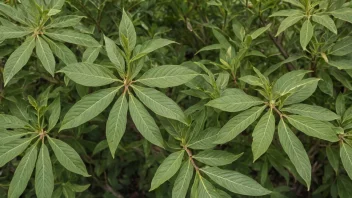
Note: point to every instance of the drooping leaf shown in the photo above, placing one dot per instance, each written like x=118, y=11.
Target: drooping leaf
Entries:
x=44, y=178
x=216, y=157
x=74, y=37
x=313, y=111
x=89, y=107
x=167, y=169
x=45, y=55
x=68, y=157
x=183, y=180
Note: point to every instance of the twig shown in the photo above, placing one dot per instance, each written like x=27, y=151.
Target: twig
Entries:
x=189, y=152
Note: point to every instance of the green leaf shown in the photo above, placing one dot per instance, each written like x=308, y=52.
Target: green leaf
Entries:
x=206, y=189
x=167, y=169
x=235, y=182
x=316, y=112
x=238, y=124
x=306, y=34
x=159, y=103
x=65, y=21
x=288, y=80
x=302, y=91
x=68, y=157
x=88, y=107
x=23, y=172
x=57, y=4
x=288, y=22
x=89, y=74
x=45, y=55
x=259, y=31
x=210, y=47
x=144, y=122
x=9, y=121
x=18, y=59
x=234, y=103
x=116, y=124
x=333, y=157
x=341, y=63
x=263, y=134
x=183, y=180
x=62, y=52
x=344, y=186
x=251, y=80
x=346, y=158
x=340, y=104
x=167, y=76
x=150, y=46
x=295, y=151
x=9, y=136
x=115, y=55
x=91, y=54
x=313, y=127
x=342, y=47
x=216, y=157
x=127, y=33
x=204, y=139
x=74, y=37
x=344, y=14
x=13, y=32
x=11, y=150
x=289, y=12
x=54, y=109
x=13, y=13
x=325, y=21
x=44, y=177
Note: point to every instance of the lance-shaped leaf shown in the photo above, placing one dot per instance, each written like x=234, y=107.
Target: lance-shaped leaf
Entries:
x=235, y=103
x=205, y=189
x=144, y=122
x=18, y=59
x=314, y=128
x=116, y=124
x=306, y=34
x=300, y=85
x=216, y=157
x=183, y=180
x=9, y=121
x=288, y=80
x=263, y=134
x=159, y=103
x=150, y=46
x=344, y=186
x=57, y=5
x=295, y=151
x=316, y=112
x=325, y=21
x=204, y=139
x=62, y=52
x=13, y=149
x=333, y=157
x=167, y=76
x=238, y=124
x=303, y=91
x=45, y=55
x=260, y=31
x=68, y=157
x=9, y=136
x=344, y=14
x=44, y=178
x=127, y=33
x=89, y=74
x=342, y=47
x=288, y=22
x=88, y=107
x=65, y=21
x=115, y=55
x=54, y=109
x=74, y=37
x=91, y=54
x=13, y=32
x=23, y=172
x=235, y=182
x=346, y=158
x=167, y=169
x=13, y=13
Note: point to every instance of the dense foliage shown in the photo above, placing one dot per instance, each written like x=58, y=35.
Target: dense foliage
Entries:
x=175, y=98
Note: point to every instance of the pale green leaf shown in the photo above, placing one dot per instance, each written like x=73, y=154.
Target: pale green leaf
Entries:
x=44, y=177
x=316, y=112
x=216, y=157
x=286, y=13
x=9, y=136
x=211, y=47
x=150, y=46
x=11, y=150
x=288, y=80
x=115, y=55
x=252, y=80
x=13, y=32
x=13, y=13
x=325, y=21
x=167, y=169
x=183, y=180
x=259, y=31
x=45, y=55
x=127, y=32
x=65, y=21
x=306, y=34
x=344, y=14
x=54, y=109
x=288, y=22
x=68, y=157
x=74, y=37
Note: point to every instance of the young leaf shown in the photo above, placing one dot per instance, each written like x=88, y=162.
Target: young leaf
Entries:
x=238, y=124
x=288, y=22
x=235, y=182
x=91, y=54
x=159, y=103
x=231, y=103
x=89, y=74
x=167, y=76
x=144, y=122
x=312, y=111
x=11, y=150
x=65, y=21
x=68, y=157
x=167, y=169
x=313, y=127
x=62, y=52
x=346, y=158
x=325, y=21
x=45, y=55
x=306, y=34
x=88, y=107
x=54, y=109
x=183, y=180
x=295, y=151
x=115, y=55
x=216, y=157
x=259, y=31
x=127, y=32
x=74, y=37
x=263, y=134
x=44, y=178
x=23, y=172
x=116, y=124
x=18, y=59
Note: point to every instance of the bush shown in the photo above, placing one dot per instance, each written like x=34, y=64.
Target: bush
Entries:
x=175, y=98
